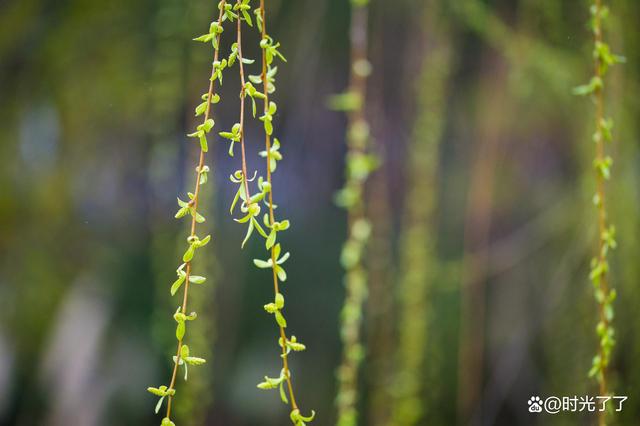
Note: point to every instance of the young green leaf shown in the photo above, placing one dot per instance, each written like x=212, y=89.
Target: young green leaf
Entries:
x=196, y=279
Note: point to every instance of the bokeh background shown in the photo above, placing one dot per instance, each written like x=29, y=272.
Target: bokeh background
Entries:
x=483, y=194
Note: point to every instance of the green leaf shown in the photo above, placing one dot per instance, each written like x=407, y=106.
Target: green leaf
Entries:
x=159, y=404
x=283, y=395
x=271, y=308
x=205, y=38
x=608, y=312
x=176, y=285
x=182, y=212
x=204, y=146
x=282, y=275
x=296, y=346
x=180, y=330
x=271, y=239
x=258, y=227
x=184, y=351
x=607, y=127
x=280, y=319
x=188, y=255
x=203, y=242
x=179, y=316
x=283, y=258
x=594, y=84
x=196, y=279
x=200, y=218
x=293, y=344
x=201, y=109
x=298, y=419
x=248, y=234
x=270, y=383
x=268, y=127
x=194, y=360
x=262, y=264
x=279, y=300
x=247, y=18
x=161, y=391
x=595, y=366
x=167, y=422
x=208, y=125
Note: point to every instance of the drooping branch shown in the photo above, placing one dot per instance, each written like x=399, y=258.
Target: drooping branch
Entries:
x=183, y=356
x=599, y=275
x=359, y=164
x=250, y=204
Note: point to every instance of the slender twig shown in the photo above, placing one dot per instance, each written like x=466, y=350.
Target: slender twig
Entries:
x=600, y=190
x=250, y=205
x=267, y=142
x=359, y=165
x=605, y=330
x=599, y=275
x=242, y=96
x=194, y=202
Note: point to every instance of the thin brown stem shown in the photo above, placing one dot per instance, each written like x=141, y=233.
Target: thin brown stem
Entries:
x=242, y=96
x=601, y=196
x=283, y=335
x=357, y=140
x=194, y=201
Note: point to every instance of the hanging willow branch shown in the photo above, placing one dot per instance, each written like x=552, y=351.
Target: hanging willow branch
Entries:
x=604, y=294
x=250, y=204
x=359, y=164
x=185, y=277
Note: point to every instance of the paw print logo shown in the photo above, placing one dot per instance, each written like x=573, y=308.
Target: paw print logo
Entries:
x=535, y=404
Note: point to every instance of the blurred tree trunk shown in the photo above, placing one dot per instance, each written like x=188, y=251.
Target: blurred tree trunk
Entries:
x=477, y=231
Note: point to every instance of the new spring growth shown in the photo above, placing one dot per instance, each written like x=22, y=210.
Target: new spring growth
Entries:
x=604, y=295
x=276, y=265
x=201, y=133
x=185, y=277
x=162, y=392
x=194, y=244
x=182, y=276
x=189, y=208
x=181, y=319
x=186, y=359
x=273, y=155
x=248, y=206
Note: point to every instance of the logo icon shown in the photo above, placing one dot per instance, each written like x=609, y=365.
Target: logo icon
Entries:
x=535, y=404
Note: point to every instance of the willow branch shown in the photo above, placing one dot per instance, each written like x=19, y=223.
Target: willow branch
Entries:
x=194, y=201
x=267, y=142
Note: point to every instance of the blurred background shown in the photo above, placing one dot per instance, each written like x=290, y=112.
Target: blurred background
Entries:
x=482, y=214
